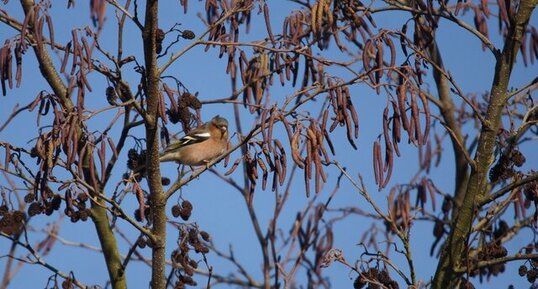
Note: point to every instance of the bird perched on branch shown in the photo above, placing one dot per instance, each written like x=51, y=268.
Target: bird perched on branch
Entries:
x=200, y=146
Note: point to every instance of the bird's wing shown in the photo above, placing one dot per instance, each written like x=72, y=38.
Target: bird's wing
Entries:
x=196, y=136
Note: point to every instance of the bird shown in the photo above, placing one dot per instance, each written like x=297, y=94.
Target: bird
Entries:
x=200, y=146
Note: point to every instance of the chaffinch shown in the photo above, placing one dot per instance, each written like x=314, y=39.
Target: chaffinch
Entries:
x=200, y=146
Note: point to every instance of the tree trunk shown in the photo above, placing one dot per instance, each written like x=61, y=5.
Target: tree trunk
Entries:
x=157, y=196
x=456, y=245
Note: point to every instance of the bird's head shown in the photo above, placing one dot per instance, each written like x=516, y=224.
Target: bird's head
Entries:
x=222, y=124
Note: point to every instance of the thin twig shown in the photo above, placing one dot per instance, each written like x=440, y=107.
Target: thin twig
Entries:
x=38, y=260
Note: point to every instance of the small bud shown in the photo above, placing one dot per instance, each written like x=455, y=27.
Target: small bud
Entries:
x=56, y=202
x=74, y=217
x=111, y=95
x=176, y=211
x=193, y=264
x=30, y=197
x=132, y=154
x=84, y=214
x=67, y=284
x=188, y=34
x=159, y=35
x=82, y=198
x=185, y=214
x=187, y=205
x=34, y=209
x=522, y=270
x=141, y=243
x=205, y=236
x=165, y=181
x=137, y=215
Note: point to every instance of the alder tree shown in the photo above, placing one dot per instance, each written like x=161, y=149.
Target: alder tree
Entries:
x=325, y=99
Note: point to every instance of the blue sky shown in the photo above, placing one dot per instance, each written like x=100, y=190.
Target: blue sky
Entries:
x=218, y=208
